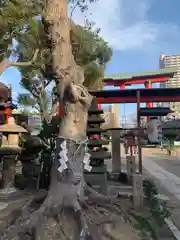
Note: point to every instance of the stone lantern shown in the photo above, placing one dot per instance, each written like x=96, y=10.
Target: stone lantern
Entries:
x=9, y=151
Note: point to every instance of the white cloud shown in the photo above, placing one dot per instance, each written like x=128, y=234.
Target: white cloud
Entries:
x=124, y=23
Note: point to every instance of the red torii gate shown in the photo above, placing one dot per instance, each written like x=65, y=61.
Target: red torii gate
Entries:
x=123, y=80
x=138, y=96
x=129, y=95
x=146, y=78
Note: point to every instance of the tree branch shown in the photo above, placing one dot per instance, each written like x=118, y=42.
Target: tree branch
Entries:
x=73, y=9
x=48, y=82
x=37, y=108
x=6, y=63
x=43, y=86
x=54, y=108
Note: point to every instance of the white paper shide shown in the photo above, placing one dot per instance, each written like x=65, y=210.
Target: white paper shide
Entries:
x=86, y=162
x=63, y=157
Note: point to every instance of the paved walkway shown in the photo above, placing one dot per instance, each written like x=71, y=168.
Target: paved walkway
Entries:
x=166, y=175
x=170, y=181
x=168, y=185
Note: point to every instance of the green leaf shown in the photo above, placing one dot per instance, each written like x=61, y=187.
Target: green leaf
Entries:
x=26, y=100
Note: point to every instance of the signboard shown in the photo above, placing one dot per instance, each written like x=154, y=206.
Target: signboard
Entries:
x=154, y=131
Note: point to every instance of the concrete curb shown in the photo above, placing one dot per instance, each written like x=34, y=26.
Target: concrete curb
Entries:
x=172, y=228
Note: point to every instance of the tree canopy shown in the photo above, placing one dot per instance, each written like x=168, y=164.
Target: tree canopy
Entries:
x=90, y=51
x=24, y=24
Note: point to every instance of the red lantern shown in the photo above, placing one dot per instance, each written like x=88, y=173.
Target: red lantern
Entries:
x=99, y=106
x=95, y=137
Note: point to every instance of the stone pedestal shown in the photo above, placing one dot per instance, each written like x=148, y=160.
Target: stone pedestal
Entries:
x=8, y=173
x=98, y=180
x=137, y=191
x=116, y=151
x=131, y=166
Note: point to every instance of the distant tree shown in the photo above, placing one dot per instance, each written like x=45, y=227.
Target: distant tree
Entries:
x=14, y=14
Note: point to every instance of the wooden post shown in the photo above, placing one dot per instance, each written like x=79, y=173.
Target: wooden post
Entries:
x=131, y=166
x=139, y=128
x=137, y=192
x=137, y=178
x=116, y=155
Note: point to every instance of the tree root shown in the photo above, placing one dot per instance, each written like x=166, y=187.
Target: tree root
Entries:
x=85, y=213
x=97, y=198
x=31, y=227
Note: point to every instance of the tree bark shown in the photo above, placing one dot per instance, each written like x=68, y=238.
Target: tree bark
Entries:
x=65, y=68
x=69, y=76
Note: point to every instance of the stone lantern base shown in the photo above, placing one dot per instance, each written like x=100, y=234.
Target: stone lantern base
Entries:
x=9, y=155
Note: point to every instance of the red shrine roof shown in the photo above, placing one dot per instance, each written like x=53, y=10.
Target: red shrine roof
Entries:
x=140, y=77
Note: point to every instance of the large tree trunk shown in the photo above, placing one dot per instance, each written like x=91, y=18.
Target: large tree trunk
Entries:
x=75, y=99
x=67, y=186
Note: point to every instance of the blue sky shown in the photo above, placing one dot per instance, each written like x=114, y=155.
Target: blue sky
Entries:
x=137, y=30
